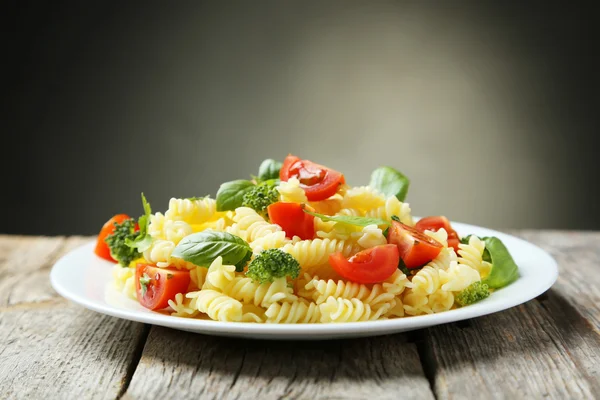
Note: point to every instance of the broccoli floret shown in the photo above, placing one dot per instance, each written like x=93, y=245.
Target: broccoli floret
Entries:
x=475, y=292
x=271, y=264
x=116, y=242
x=261, y=196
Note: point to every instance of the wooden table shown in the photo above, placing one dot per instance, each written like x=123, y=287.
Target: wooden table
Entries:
x=546, y=348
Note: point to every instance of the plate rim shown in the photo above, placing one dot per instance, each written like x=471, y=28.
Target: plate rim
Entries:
x=314, y=331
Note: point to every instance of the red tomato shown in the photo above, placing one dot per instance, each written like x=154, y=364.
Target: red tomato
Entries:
x=416, y=248
x=292, y=219
x=369, y=266
x=108, y=228
x=318, y=182
x=435, y=223
x=161, y=285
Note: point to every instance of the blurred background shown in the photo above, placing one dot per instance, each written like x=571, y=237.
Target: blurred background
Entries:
x=490, y=108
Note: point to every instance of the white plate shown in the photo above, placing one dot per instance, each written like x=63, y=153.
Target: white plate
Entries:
x=84, y=278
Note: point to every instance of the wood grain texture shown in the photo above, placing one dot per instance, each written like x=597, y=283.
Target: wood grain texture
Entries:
x=185, y=365
x=548, y=347
x=65, y=352
x=25, y=263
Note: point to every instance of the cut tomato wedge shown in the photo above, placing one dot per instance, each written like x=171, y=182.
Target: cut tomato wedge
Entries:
x=368, y=266
x=156, y=286
x=318, y=181
x=435, y=223
x=102, y=249
x=292, y=219
x=416, y=249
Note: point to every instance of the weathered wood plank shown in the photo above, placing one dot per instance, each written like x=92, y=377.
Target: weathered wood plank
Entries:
x=185, y=365
x=544, y=348
x=65, y=352
x=578, y=257
x=25, y=263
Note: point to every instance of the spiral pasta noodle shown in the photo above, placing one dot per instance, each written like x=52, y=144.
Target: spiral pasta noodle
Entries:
x=219, y=275
x=192, y=211
x=458, y=277
x=392, y=206
x=370, y=236
x=349, y=310
x=349, y=290
x=183, y=307
x=472, y=255
x=292, y=313
x=244, y=289
x=311, y=253
x=426, y=281
x=216, y=305
x=291, y=191
x=363, y=198
x=252, y=224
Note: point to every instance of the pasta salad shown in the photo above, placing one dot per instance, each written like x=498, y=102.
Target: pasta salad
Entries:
x=297, y=244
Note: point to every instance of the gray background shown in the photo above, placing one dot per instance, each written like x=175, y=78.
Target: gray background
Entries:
x=487, y=107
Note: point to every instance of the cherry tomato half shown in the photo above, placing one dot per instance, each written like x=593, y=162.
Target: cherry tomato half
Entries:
x=368, y=266
x=292, y=219
x=156, y=286
x=435, y=223
x=416, y=248
x=318, y=181
x=108, y=228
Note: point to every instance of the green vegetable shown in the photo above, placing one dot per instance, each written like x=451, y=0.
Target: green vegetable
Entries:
x=271, y=264
x=144, y=281
x=259, y=197
x=231, y=194
x=477, y=291
x=204, y=247
x=504, y=269
x=402, y=267
x=390, y=182
x=269, y=169
x=125, y=231
x=143, y=241
x=347, y=219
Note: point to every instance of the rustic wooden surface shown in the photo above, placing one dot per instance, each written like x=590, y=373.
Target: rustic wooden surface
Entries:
x=546, y=348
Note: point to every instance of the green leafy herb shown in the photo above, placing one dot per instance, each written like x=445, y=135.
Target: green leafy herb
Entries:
x=143, y=241
x=402, y=267
x=475, y=292
x=261, y=196
x=395, y=218
x=269, y=169
x=504, y=269
x=144, y=281
x=348, y=219
x=231, y=194
x=240, y=265
x=125, y=231
x=271, y=264
x=390, y=182
x=204, y=247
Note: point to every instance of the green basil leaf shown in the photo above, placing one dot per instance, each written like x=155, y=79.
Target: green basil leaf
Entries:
x=231, y=194
x=390, y=182
x=269, y=169
x=350, y=220
x=402, y=267
x=143, y=241
x=504, y=268
x=203, y=248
